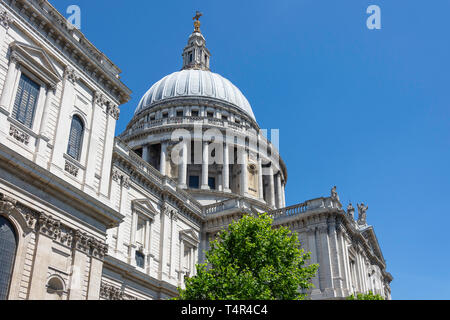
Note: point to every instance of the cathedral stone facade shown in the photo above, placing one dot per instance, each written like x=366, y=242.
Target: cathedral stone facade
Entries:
x=87, y=215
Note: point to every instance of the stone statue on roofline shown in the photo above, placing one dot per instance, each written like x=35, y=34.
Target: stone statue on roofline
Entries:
x=351, y=211
x=334, y=194
x=362, y=214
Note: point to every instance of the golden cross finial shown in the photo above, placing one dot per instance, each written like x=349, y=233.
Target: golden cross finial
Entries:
x=198, y=14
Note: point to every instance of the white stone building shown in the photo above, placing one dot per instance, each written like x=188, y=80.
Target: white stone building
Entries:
x=86, y=215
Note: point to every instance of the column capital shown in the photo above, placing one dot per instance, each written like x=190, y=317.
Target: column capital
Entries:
x=5, y=19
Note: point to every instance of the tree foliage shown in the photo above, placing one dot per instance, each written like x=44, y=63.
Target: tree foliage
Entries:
x=368, y=296
x=252, y=261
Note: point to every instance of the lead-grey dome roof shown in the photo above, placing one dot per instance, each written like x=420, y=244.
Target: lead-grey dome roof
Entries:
x=193, y=84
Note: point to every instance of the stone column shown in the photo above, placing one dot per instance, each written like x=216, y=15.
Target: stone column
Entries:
x=344, y=259
x=44, y=138
x=95, y=279
x=181, y=263
x=173, y=245
x=97, y=113
x=77, y=277
x=48, y=101
x=226, y=168
x=260, y=180
x=325, y=262
x=162, y=165
x=145, y=153
x=205, y=167
x=312, y=248
x=279, y=197
x=182, y=168
x=244, y=173
x=42, y=258
x=335, y=265
x=6, y=97
x=271, y=195
x=63, y=122
x=192, y=266
x=8, y=87
x=283, y=195
x=147, y=237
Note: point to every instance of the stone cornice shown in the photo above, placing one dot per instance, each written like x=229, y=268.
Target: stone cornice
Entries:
x=189, y=101
x=55, y=30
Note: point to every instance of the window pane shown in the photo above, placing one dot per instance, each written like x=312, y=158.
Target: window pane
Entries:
x=212, y=183
x=194, y=182
x=75, y=138
x=26, y=101
x=8, y=246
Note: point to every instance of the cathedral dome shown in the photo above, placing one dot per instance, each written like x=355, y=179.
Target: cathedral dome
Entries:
x=195, y=83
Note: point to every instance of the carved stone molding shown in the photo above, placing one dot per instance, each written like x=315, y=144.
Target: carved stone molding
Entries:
x=311, y=230
x=71, y=168
x=7, y=204
x=121, y=178
x=19, y=135
x=110, y=292
x=5, y=19
x=71, y=75
x=100, y=99
x=113, y=111
x=55, y=229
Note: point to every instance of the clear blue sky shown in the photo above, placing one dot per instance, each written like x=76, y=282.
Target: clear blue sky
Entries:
x=368, y=111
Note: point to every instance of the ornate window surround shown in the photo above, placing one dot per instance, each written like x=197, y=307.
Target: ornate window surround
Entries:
x=46, y=76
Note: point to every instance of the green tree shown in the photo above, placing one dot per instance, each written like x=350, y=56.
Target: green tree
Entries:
x=368, y=296
x=252, y=261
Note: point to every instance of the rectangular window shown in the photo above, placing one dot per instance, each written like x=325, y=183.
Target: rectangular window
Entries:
x=195, y=113
x=179, y=113
x=212, y=183
x=210, y=114
x=165, y=115
x=140, y=232
x=26, y=101
x=140, y=259
x=194, y=182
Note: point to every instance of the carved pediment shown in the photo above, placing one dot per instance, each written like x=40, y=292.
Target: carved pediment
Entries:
x=144, y=207
x=35, y=59
x=190, y=236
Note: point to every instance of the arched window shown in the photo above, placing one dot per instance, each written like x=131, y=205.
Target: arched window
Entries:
x=75, y=138
x=26, y=101
x=8, y=246
x=55, y=288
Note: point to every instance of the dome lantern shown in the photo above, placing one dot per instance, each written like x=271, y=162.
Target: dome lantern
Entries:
x=195, y=55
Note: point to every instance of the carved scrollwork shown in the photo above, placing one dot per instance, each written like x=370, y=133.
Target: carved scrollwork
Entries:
x=19, y=135
x=110, y=292
x=71, y=168
x=71, y=75
x=113, y=111
x=121, y=178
